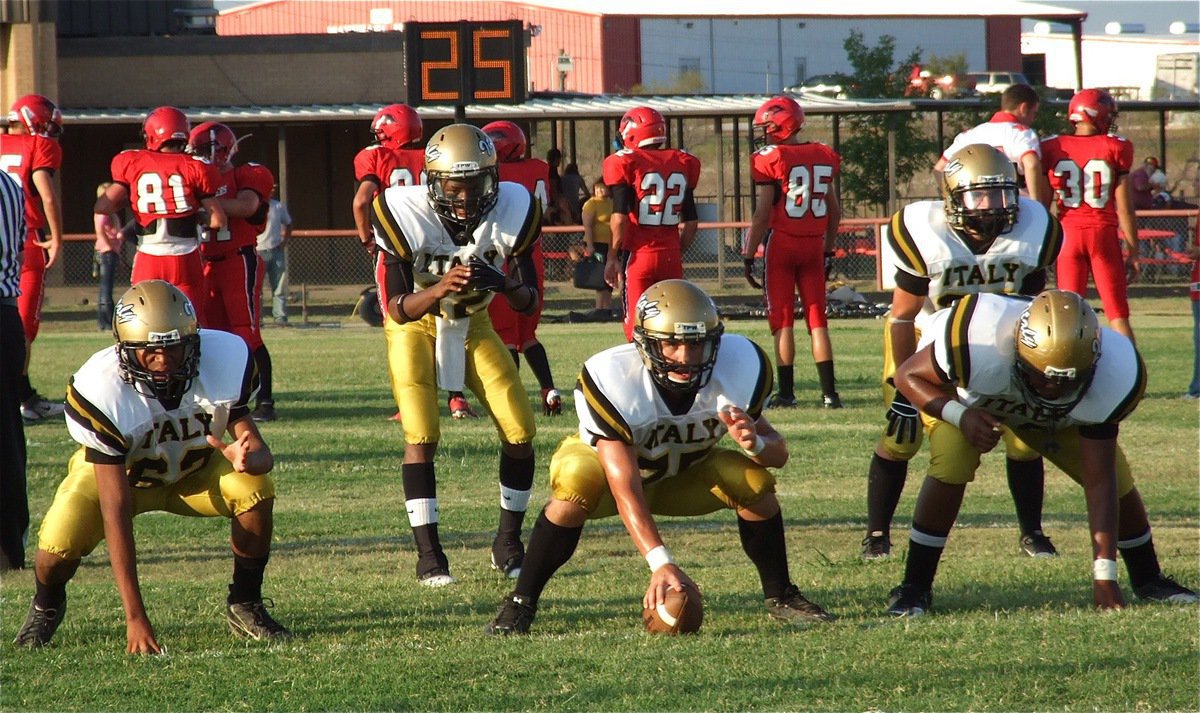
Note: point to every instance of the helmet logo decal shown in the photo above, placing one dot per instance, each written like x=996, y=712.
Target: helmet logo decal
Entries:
x=486, y=147
x=690, y=329
x=124, y=313
x=647, y=308
x=1029, y=337
x=953, y=167
x=432, y=152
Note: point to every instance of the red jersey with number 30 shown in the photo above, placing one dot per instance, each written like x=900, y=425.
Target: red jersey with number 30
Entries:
x=660, y=180
x=1083, y=171
x=804, y=174
x=20, y=156
x=388, y=168
x=164, y=185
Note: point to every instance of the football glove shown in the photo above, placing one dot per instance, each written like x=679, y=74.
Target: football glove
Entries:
x=485, y=276
x=828, y=265
x=749, y=272
x=903, y=420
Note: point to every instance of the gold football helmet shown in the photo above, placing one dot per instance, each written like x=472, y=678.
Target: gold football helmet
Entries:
x=156, y=314
x=676, y=311
x=1058, y=346
x=460, y=167
x=979, y=188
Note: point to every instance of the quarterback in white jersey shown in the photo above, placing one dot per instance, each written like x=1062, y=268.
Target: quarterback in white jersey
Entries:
x=149, y=416
x=445, y=250
x=981, y=238
x=650, y=416
x=1045, y=369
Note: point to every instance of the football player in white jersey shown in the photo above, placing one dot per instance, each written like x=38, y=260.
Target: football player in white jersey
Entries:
x=982, y=237
x=651, y=415
x=994, y=365
x=445, y=250
x=149, y=417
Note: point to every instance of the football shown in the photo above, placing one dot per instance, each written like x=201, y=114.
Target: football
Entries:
x=680, y=613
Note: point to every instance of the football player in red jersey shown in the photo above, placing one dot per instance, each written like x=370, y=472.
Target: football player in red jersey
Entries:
x=654, y=211
x=30, y=153
x=397, y=158
x=233, y=272
x=1089, y=173
x=798, y=203
x=519, y=331
x=166, y=189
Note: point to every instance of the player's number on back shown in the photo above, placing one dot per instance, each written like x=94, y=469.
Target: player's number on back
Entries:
x=661, y=199
x=1091, y=184
x=404, y=177
x=11, y=164
x=159, y=197
x=807, y=190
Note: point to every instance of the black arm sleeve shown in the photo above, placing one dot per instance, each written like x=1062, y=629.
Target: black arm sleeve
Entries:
x=1099, y=431
x=688, y=208
x=91, y=455
x=522, y=266
x=397, y=281
x=1033, y=283
x=911, y=283
x=624, y=200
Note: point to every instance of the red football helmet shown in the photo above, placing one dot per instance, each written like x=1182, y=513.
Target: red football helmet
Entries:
x=38, y=115
x=396, y=126
x=509, y=139
x=164, y=125
x=213, y=141
x=643, y=126
x=777, y=120
x=1095, y=107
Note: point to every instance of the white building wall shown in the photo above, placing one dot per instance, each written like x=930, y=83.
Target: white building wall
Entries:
x=1125, y=62
x=739, y=56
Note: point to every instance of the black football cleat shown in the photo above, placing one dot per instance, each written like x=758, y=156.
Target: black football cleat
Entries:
x=794, y=608
x=515, y=617
x=40, y=625
x=909, y=601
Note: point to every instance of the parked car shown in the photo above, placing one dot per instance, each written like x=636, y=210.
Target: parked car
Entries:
x=839, y=86
x=996, y=82
x=923, y=83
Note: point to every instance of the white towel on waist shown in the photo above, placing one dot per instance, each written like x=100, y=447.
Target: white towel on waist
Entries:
x=451, y=352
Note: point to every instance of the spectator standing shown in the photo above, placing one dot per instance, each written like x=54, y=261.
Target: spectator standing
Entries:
x=272, y=248
x=109, y=243
x=1193, y=391
x=597, y=233
x=574, y=191
x=14, y=500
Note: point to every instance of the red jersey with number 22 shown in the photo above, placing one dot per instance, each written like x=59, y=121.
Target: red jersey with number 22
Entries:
x=1083, y=171
x=660, y=179
x=804, y=174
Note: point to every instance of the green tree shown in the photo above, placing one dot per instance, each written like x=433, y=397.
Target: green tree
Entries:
x=865, y=176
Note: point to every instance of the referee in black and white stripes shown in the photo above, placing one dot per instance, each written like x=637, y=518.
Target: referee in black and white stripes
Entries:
x=14, y=501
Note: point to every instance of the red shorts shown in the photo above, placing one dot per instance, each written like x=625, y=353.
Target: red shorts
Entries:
x=233, y=295
x=518, y=330
x=1096, y=249
x=644, y=267
x=795, y=264
x=33, y=285
x=183, y=271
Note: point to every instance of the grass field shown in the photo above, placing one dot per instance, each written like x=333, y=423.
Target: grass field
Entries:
x=1008, y=633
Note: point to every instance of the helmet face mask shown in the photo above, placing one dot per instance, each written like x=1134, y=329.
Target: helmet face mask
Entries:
x=213, y=141
x=153, y=315
x=980, y=194
x=1057, y=349
x=463, y=181
x=397, y=126
x=39, y=116
x=776, y=121
x=672, y=316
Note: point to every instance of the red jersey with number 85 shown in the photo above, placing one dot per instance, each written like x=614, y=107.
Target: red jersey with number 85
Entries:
x=164, y=185
x=660, y=180
x=804, y=174
x=1083, y=172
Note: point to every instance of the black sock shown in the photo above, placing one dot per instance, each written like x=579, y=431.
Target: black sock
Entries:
x=516, y=357
x=1140, y=558
x=247, y=578
x=766, y=547
x=25, y=388
x=1026, y=482
x=49, y=596
x=825, y=374
x=262, y=358
x=787, y=384
x=885, y=483
x=536, y=356
x=420, y=499
x=516, y=484
x=550, y=547
x=924, y=552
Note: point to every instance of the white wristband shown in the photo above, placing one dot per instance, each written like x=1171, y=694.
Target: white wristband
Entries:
x=952, y=413
x=658, y=557
x=1104, y=570
x=759, y=445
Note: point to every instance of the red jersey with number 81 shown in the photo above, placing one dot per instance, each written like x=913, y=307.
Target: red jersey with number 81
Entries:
x=1083, y=172
x=804, y=174
x=660, y=180
x=164, y=185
